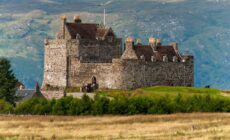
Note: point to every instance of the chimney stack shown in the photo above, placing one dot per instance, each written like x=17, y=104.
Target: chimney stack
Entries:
x=77, y=19
x=152, y=43
x=129, y=52
x=158, y=42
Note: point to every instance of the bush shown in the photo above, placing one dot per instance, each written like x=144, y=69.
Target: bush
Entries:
x=100, y=105
x=120, y=105
x=63, y=106
x=5, y=107
x=34, y=106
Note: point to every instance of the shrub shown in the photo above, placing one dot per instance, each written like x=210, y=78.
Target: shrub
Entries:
x=35, y=106
x=100, y=105
x=63, y=106
x=5, y=107
x=120, y=105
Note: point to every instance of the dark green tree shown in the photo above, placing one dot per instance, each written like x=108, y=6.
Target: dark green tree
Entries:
x=7, y=81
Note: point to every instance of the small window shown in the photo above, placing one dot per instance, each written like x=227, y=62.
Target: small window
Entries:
x=110, y=38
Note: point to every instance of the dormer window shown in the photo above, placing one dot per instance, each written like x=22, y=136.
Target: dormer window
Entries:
x=153, y=59
x=175, y=59
x=142, y=57
x=110, y=38
x=78, y=36
x=165, y=58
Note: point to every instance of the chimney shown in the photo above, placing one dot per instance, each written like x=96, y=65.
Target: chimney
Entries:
x=63, y=22
x=152, y=43
x=129, y=52
x=158, y=42
x=77, y=19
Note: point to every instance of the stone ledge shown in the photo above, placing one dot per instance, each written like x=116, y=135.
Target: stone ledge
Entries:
x=53, y=94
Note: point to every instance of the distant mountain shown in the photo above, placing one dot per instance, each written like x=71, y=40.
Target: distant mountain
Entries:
x=201, y=28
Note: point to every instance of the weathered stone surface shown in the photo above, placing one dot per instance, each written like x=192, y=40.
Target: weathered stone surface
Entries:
x=73, y=63
x=57, y=94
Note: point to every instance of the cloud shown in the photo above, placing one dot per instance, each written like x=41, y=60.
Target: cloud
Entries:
x=49, y=1
x=165, y=1
x=217, y=1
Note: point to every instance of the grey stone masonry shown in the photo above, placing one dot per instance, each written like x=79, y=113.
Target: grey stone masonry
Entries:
x=84, y=50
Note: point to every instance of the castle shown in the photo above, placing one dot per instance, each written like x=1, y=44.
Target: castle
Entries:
x=81, y=51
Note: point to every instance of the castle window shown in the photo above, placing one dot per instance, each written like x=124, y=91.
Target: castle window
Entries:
x=78, y=36
x=110, y=38
x=142, y=57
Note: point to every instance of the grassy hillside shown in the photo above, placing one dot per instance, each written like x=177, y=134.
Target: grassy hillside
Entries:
x=160, y=91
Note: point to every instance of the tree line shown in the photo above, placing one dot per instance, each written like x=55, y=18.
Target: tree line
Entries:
x=118, y=106
x=100, y=105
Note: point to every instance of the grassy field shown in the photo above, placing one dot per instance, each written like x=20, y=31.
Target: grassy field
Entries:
x=159, y=91
x=197, y=126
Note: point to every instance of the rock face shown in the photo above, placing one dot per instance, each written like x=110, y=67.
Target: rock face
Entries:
x=82, y=51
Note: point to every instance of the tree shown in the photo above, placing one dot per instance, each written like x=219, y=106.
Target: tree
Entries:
x=7, y=81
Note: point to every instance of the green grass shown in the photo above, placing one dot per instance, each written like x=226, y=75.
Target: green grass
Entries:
x=72, y=89
x=159, y=91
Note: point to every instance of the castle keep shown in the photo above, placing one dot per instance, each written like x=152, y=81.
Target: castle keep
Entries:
x=81, y=51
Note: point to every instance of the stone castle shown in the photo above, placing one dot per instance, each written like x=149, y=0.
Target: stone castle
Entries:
x=81, y=51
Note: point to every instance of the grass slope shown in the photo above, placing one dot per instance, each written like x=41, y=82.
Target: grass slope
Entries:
x=159, y=91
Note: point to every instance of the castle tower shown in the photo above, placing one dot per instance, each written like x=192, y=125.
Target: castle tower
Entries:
x=129, y=52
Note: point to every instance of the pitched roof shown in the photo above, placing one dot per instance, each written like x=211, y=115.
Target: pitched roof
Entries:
x=101, y=32
x=84, y=30
x=87, y=30
x=25, y=93
x=161, y=51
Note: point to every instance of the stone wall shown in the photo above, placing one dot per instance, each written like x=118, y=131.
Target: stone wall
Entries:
x=131, y=74
x=68, y=63
x=55, y=64
x=99, y=51
x=82, y=73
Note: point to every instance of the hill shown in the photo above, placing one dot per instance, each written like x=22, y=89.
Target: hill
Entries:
x=161, y=91
x=201, y=28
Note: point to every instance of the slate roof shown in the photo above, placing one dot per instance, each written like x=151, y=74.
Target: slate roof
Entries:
x=86, y=30
x=25, y=94
x=161, y=51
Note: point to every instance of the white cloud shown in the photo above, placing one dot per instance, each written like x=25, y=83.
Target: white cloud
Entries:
x=165, y=1
x=49, y=1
